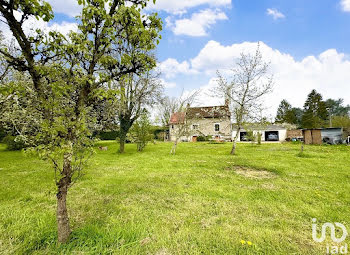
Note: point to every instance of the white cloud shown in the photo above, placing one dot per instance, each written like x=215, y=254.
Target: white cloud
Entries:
x=167, y=84
x=181, y=6
x=198, y=24
x=68, y=7
x=345, y=5
x=171, y=67
x=275, y=13
x=216, y=56
x=32, y=24
x=328, y=72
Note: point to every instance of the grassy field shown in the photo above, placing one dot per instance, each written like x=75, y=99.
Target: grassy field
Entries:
x=201, y=201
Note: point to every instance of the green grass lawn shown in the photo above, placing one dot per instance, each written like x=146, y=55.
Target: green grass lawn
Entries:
x=191, y=203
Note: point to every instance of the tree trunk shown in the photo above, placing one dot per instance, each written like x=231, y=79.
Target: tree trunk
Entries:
x=173, y=149
x=259, y=138
x=63, y=228
x=124, y=129
x=234, y=145
x=233, y=150
x=122, y=143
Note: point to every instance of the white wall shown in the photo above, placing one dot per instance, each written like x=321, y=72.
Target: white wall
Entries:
x=282, y=135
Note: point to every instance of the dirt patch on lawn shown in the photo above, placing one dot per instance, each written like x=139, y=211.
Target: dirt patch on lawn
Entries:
x=252, y=173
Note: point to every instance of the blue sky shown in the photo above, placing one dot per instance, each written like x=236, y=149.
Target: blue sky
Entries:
x=306, y=41
x=309, y=28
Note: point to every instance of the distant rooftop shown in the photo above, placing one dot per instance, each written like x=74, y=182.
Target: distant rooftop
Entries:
x=201, y=112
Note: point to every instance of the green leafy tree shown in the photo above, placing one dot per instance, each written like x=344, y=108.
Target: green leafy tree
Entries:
x=141, y=132
x=288, y=114
x=283, y=110
x=343, y=122
x=69, y=73
x=315, y=111
x=337, y=107
x=18, y=113
x=296, y=116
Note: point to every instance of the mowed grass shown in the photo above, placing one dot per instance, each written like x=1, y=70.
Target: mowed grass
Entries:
x=191, y=203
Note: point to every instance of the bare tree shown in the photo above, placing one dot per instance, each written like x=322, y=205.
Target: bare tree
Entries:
x=167, y=106
x=4, y=65
x=135, y=93
x=249, y=84
x=180, y=120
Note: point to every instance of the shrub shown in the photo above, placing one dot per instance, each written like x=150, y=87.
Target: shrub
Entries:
x=201, y=139
x=111, y=135
x=2, y=133
x=14, y=143
x=141, y=133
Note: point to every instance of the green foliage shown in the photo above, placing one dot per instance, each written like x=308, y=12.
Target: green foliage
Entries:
x=341, y=121
x=202, y=138
x=336, y=107
x=283, y=109
x=259, y=135
x=2, y=133
x=19, y=111
x=111, y=135
x=159, y=132
x=141, y=133
x=315, y=111
x=250, y=136
x=287, y=114
x=70, y=74
x=14, y=143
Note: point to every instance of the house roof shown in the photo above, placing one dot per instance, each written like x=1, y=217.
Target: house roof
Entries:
x=176, y=118
x=330, y=129
x=258, y=127
x=201, y=112
x=209, y=112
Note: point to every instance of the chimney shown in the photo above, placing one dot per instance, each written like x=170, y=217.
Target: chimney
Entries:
x=227, y=97
x=227, y=101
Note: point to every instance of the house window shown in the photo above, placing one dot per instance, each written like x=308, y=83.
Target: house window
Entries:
x=195, y=127
x=217, y=127
x=172, y=126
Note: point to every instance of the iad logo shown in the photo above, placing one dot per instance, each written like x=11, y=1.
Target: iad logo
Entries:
x=331, y=226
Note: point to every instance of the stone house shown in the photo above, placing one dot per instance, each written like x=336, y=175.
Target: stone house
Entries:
x=213, y=122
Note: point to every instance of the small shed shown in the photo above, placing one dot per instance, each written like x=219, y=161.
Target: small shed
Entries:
x=332, y=135
x=312, y=136
x=294, y=135
x=323, y=135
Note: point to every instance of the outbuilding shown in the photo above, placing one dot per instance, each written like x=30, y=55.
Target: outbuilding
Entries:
x=270, y=133
x=323, y=135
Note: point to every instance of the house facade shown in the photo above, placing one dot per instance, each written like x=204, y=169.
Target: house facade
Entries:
x=211, y=122
x=269, y=133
